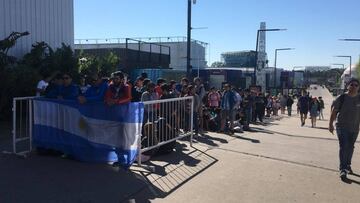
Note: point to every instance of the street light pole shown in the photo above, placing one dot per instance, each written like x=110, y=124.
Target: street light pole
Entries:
x=276, y=50
x=350, y=40
x=341, y=56
x=257, y=47
x=188, y=51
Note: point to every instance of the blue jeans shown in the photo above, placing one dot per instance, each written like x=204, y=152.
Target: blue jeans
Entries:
x=346, y=142
x=248, y=114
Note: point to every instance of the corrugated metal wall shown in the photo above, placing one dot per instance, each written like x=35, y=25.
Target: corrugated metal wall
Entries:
x=51, y=21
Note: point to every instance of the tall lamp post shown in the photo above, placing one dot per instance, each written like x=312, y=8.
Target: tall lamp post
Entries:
x=257, y=47
x=342, y=56
x=188, y=57
x=276, y=51
x=350, y=40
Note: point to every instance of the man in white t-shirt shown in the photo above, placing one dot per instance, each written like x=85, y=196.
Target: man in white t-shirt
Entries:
x=42, y=84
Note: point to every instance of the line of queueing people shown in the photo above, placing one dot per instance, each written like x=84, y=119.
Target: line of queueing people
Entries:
x=228, y=110
x=115, y=91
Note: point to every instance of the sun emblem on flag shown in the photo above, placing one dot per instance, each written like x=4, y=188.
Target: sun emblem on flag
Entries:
x=82, y=123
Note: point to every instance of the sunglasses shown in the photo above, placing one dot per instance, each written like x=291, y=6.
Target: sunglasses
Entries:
x=354, y=85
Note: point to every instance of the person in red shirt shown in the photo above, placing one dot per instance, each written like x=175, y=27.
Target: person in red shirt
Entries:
x=118, y=92
x=158, y=89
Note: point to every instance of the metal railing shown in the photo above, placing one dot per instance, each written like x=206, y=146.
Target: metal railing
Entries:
x=166, y=121
x=22, y=125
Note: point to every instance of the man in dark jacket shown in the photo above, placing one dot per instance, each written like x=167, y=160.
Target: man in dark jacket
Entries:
x=289, y=103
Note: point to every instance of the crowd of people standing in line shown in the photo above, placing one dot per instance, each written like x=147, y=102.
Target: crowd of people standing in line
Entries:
x=223, y=110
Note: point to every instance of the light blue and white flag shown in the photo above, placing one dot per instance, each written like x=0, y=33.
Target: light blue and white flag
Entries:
x=93, y=132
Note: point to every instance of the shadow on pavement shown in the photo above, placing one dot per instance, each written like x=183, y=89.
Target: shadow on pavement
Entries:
x=209, y=140
x=246, y=138
x=291, y=135
x=54, y=179
x=259, y=130
x=350, y=181
x=176, y=169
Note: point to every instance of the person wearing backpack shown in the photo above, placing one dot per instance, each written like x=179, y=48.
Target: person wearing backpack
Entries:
x=346, y=110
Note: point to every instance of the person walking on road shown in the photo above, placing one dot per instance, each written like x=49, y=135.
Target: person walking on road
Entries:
x=283, y=101
x=289, y=104
x=322, y=107
x=346, y=110
x=314, y=110
x=304, y=107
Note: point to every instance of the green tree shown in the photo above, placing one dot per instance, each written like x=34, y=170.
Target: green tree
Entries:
x=357, y=69
x=217, y=64
x=104, y=65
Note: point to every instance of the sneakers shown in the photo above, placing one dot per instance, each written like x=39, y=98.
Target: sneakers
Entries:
x=349, y=170
x=343, y=174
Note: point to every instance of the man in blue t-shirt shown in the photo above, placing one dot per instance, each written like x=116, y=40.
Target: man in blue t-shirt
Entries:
x=96, y=92
x=68, y=90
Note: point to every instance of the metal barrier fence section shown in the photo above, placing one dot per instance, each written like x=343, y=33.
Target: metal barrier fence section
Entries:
x=22, y=125
x=166, y=121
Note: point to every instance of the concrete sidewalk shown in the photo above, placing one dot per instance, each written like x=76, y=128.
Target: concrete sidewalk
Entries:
x=279, y=162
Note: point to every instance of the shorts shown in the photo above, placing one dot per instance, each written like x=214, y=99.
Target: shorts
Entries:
x=302, y=111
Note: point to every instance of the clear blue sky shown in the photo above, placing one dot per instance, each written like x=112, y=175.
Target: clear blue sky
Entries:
x=314, y=26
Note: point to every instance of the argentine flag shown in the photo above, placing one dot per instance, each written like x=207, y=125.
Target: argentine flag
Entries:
x=93, y=132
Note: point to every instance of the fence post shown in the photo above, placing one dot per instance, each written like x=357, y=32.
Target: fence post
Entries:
x=14, y=125
x=192, y=121
x=139, y=149
x=30, y=122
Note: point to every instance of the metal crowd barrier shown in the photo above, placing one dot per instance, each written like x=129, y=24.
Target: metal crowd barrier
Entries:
x=22, y=125
x=166, y=121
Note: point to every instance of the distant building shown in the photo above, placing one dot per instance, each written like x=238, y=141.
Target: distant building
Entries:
x=317, y=68
x=244, y=59
x=51, y=21
x=175, y=47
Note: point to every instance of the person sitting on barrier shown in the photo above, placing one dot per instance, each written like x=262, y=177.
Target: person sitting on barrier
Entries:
x=165, y=109
x=136, y=89
x=173, y=90
x=150, y=95
x=144, y=87
x=183, y=83
x=158, y=89
x=118, y=92
x=96, y=92
x=53, y=89
x=68, y=90
x=42, y=84
x=196, y=106
x=83, y=85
